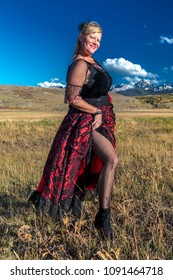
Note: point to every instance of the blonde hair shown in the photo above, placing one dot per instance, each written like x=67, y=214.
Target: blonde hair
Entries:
x=86, y=28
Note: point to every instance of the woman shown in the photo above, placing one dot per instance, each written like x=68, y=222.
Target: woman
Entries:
x=83, y=154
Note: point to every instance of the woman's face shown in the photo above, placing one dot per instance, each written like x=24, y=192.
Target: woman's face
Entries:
x=90, y=43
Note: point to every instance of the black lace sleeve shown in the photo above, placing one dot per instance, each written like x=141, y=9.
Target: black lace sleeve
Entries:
x=76, y=77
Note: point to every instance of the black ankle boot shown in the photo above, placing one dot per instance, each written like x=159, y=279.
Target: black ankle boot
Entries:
x=102, y=223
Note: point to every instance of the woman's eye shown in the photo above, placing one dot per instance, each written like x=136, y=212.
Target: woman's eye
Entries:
x=92, y=37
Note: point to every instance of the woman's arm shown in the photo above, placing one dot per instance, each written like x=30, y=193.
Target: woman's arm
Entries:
x=75, y=80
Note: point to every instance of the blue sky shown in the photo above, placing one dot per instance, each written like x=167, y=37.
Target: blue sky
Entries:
x=37, y=39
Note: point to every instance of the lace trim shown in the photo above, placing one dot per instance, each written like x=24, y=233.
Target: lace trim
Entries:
x=74, y=99
x=70, y=85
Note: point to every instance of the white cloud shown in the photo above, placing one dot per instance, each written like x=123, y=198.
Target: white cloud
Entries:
x=165, y=70
x=51, y=84
x=54, y=79
x=164, y=39
x=124, y=67
x=131, y=72
x=132, y=80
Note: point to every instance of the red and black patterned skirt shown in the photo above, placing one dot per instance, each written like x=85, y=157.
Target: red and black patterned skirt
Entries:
x=71, y=167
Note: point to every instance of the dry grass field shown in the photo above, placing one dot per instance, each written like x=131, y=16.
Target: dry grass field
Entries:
x=142, y=197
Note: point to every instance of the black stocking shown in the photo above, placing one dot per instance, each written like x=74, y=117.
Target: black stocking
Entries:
x=104, y=149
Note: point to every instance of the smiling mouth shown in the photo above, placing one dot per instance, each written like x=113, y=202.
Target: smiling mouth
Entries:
x=93, y=47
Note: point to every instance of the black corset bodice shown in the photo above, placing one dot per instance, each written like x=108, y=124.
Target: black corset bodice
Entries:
x=98, y=83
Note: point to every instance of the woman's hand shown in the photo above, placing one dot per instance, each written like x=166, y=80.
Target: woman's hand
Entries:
x=97, y=121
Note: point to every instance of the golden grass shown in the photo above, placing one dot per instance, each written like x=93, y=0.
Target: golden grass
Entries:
x=141, y=203
x=158, y=100
x=142, y=197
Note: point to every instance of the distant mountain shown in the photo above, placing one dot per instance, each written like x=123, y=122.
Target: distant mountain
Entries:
x=144, y=84
x=143, y=87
